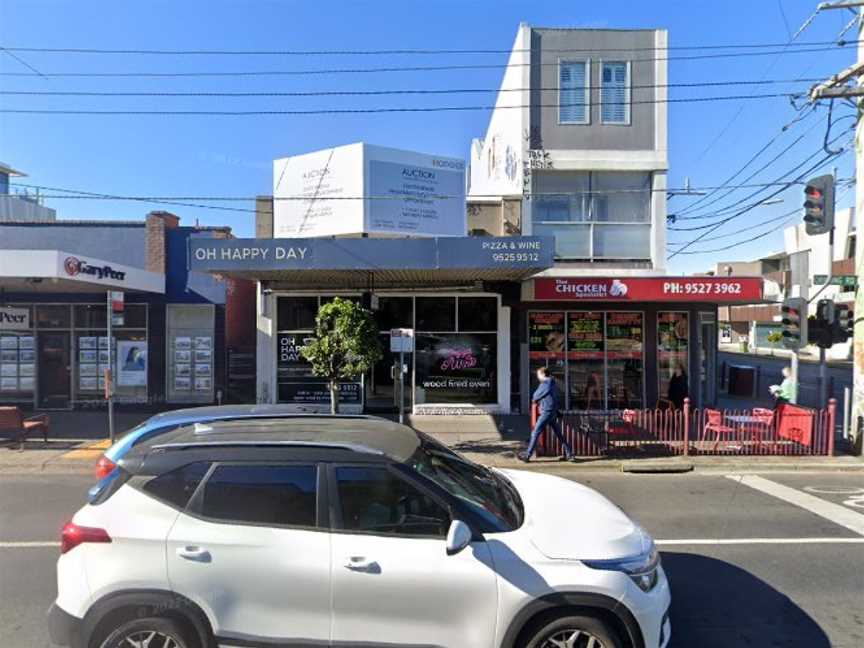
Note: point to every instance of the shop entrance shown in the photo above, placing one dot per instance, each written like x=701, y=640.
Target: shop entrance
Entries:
x=54, y=370
x=708, y=359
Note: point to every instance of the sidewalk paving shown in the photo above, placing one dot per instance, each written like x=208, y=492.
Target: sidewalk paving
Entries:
x=488, y=440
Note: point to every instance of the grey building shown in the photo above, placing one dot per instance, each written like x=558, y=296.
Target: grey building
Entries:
x=23, y=205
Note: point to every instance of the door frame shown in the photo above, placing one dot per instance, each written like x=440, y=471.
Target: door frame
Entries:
x=70, y=368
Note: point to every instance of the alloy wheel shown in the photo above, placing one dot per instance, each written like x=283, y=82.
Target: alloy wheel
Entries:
x=148, y=639
x=572, y=638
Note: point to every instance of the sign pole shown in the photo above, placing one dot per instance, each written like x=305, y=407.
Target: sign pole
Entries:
x=109, y=378
x=402, y=386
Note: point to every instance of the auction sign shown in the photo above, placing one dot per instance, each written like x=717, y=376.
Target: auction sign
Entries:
x=364, y=189
x=630, y=289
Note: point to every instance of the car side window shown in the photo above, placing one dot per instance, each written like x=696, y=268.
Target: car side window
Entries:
x=374, y=500
x=177, y=486
x=279, y=495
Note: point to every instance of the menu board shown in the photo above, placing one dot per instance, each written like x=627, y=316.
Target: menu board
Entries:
x=624, y=335
x=545, y=335
x=585, y=336
x=193, y=363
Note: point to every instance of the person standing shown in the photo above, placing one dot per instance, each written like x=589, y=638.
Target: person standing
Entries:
x=786, y=391
x=548, y=401
x=678, y=389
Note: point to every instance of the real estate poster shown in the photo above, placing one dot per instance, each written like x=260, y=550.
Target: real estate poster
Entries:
x=132, y=363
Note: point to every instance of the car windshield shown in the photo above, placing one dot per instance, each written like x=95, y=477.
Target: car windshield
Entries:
x=487, y=493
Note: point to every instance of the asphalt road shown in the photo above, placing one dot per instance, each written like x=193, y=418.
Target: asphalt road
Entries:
x=775, y=560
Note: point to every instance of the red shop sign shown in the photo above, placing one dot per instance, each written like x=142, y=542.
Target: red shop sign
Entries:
x=627, y=289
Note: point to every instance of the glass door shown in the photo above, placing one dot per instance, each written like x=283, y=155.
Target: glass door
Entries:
x=54, y=370
x=707, y=359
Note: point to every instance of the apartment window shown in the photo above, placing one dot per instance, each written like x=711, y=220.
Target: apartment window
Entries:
x=615, y=93
x=594, y=215
x=573, y=106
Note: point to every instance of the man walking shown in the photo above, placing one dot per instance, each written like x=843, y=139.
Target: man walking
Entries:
x=548, y=400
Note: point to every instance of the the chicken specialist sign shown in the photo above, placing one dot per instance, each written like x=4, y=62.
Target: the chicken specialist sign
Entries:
x=627, y=289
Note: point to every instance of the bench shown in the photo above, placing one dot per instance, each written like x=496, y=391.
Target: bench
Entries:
x=12, y=419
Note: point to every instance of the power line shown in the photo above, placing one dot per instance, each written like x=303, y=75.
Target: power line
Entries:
x=374, y=93
x=746, y=229
x=112, y=196
x=736, y=244
x=420, y=68
x=743, y=211
x=354, y=111
x=407, y=51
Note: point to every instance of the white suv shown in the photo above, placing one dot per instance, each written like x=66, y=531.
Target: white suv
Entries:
x=348, y=531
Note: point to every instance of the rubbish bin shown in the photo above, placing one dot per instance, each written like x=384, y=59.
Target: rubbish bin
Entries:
x=742, y=380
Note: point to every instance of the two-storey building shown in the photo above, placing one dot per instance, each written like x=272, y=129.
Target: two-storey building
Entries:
x=576, y=149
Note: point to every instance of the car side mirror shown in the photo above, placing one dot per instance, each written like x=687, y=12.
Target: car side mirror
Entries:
x=458, y=537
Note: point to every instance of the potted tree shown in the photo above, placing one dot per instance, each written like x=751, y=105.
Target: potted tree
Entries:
x=345, y=345
x=774, y=338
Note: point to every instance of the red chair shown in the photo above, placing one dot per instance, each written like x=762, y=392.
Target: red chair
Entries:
x=626, y=427
x=763, y=422
x=714, y=424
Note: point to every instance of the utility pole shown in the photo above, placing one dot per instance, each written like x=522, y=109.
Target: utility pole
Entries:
x=836, y=87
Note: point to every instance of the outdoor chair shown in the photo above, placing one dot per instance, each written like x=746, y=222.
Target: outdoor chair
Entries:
x=13, y=420
x=714, y=425
x=624, y=428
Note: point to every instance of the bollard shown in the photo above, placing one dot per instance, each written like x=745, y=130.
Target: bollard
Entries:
x=832, y=410
x=686, y=422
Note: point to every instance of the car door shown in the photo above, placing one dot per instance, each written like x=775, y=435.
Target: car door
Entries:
x=249, y=550
x=393, y=582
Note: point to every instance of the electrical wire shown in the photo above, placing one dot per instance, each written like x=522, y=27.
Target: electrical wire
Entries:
x=422, y=68
x=737, y=243
x=373, y=93
x=407, y=51
x=746, y=229
x=356, y=111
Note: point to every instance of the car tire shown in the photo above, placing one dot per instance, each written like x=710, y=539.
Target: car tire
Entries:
x=138, y=630
x=559, y=632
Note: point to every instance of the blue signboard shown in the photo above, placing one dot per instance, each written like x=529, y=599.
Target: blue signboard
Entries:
x=450, y=253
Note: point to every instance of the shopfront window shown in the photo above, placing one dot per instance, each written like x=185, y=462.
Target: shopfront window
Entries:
x=191, y=352
x=673, y=340
x=546, y=345
x=586, y=352
x=17, y=366
x=53, y=316
x=296, y=383
x=436, y=314
x=597, y=357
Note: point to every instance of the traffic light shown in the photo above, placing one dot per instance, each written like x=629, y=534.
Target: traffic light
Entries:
x=794, y=311
x=819, y=205
x=824, y=325
x=843, y=323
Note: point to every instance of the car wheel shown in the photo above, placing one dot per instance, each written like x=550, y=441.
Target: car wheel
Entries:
x=150, y=632
x=574, y=632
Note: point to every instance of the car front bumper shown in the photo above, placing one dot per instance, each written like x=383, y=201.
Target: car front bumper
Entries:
x=63, y=628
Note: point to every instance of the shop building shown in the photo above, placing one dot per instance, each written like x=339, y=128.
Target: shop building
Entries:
x=168, y=344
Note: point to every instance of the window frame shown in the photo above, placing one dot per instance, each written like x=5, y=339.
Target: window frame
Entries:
x=586, y=91
x=194, y=507
x=337, y=524
x=628, y=111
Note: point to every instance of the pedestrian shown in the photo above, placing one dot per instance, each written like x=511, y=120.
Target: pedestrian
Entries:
x=786, y=391
x=678, y=389
x=548, y=401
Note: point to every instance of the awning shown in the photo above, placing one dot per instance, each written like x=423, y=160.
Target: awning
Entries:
x=719, y=290
x=60, y=271
x=365, y=262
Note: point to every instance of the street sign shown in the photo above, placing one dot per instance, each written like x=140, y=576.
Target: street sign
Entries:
x=402, y=340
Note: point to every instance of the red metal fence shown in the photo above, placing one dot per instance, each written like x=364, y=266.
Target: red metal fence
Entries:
x=788, y=430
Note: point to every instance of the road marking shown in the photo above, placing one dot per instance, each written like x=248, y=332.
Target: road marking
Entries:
x=749, y=541
x=28, y=544
x=828, y=510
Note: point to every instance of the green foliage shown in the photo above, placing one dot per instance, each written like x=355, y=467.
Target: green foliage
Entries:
x=346, y=342
x=774, y=337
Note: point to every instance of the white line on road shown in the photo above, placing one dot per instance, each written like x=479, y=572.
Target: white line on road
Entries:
x=28, y=544
x=828, y=510
x=752, y=541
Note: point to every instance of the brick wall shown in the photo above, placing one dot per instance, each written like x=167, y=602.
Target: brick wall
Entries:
x=155, y=244
x=264, y=217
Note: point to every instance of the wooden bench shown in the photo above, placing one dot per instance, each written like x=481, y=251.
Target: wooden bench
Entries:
x=12, y=420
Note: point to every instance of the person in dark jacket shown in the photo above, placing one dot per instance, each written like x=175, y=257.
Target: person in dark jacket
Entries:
x=549, y=402
x=678, y=389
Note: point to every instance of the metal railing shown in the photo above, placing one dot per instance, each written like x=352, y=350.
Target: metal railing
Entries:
x=788, y=430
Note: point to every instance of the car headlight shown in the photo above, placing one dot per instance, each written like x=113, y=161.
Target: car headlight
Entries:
x=641, y=569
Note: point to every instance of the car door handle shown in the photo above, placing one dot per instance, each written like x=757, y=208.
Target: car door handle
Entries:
x=362, y=564
x=194, y=553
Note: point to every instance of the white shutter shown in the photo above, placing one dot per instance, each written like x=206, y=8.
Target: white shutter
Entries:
x=572, y=92
x=615, y=88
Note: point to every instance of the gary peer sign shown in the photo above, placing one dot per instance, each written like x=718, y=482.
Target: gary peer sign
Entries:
x=14, y=319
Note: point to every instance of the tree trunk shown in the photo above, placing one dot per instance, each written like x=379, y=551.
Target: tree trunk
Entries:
x=334, y=397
